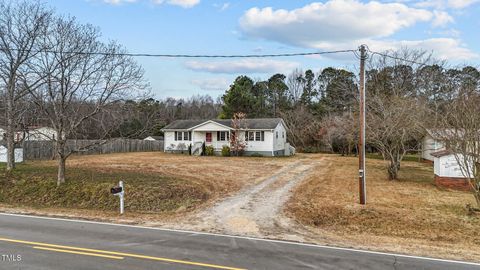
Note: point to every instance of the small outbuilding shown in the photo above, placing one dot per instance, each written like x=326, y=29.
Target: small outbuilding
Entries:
x=18, y=154
x=448, y=171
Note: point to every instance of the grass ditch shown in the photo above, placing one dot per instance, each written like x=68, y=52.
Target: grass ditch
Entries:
x=33, y=184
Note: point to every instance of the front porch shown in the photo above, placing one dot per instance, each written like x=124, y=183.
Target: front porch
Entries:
x=216, y=139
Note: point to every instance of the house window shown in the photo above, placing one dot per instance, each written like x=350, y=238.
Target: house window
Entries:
x=283, y=134
x=222, y=135
x=255, y=135
x=276, y=135
x=183, y=136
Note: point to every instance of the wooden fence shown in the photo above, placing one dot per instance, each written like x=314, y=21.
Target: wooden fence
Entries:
x=46, y=149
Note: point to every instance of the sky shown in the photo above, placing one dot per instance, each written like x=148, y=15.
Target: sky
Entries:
x=447, y=28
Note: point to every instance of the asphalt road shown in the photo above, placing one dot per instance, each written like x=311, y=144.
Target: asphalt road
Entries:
x=50, y=244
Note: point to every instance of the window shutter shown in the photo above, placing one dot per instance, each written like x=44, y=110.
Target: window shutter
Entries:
x=246, y=136
x=263, y=136
x=176, y=137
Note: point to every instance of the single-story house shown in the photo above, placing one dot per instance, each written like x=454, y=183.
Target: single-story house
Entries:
x=265, y=136
x=448, y=170
x=154, y=138
x=18, y=153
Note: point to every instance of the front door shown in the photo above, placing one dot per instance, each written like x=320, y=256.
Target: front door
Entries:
x=208, y=137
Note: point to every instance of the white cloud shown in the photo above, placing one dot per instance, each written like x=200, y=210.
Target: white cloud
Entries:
x=442, y=48
x=459, y=4
x=181, y=3
x=444, y=4
x=334, y=20
x=212, y=84
x=441, y=18
x=118, y=2
x=222, y=7
x=242, y=66
x=341, y=24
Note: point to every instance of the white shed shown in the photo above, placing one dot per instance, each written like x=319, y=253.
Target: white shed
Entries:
x=18, y=154
x=448, y=170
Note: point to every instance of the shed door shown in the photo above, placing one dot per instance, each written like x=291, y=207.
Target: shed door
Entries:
x=208, y=137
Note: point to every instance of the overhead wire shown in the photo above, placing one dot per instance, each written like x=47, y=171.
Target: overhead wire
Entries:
x=355, y=52
x=191, y=55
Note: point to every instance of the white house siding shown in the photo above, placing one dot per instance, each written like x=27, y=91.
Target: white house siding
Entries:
x=171, y=144
x=448, y=167
x=18, y=154
x=268, y=147
x=264, y=147
x=210, y=126
x=429, y=146
x=279, y=143
x=41, y=134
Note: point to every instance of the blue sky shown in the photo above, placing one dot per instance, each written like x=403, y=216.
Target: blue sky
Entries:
x=449, y=28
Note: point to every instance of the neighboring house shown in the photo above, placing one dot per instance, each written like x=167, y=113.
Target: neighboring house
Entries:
x=431, y=143
x=40, y=134
x=18, y=153
x=266, y=136
x=154, y=138
x=448, y=172
x=32, y=134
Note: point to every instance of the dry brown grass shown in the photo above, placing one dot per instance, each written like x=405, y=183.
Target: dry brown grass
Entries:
x=410, y=215
x=156, y=183
x=219, y=174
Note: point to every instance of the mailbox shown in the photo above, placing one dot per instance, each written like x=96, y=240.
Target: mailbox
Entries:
x=116, y=190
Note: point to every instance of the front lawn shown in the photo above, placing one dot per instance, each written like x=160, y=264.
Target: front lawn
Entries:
x=410, y=215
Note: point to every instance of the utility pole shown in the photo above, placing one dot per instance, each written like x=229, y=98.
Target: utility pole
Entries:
x=361, y=143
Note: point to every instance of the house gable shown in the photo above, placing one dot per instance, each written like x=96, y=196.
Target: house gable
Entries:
x=210, y=126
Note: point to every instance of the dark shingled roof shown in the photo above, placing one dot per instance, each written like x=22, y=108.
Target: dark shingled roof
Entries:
x=258, y=123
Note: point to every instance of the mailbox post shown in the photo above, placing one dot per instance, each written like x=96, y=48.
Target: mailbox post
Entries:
x=119, y=191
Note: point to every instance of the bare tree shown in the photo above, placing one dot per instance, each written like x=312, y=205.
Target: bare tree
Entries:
x=395, y=115
x=296, y=84
x=21, y=25
x=81, y=78
x=302, y=125
x=237, y=142
x=339, y=132
x=394, y=126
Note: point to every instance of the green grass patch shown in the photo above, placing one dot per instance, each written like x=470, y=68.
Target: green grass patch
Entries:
x=35, y=185
x=408, y=157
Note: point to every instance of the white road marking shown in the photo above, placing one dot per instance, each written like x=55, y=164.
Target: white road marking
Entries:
x=246, y=238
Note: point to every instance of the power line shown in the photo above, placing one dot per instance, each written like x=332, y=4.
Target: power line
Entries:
x=396, y=58
x=191, y=55
x=355, y=52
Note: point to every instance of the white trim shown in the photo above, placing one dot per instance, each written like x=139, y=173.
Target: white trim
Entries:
x=247, y=238
x=209, y=121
